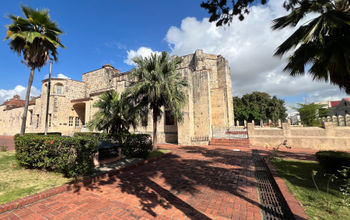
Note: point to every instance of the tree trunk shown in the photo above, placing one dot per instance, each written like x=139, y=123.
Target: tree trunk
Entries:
x=155, y=129
x=24, y=116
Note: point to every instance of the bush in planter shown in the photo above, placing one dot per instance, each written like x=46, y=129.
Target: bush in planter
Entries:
x=136, y=145
x=71, y=156
x=333, y=160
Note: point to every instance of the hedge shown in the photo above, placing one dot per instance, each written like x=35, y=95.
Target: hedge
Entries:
x=333, y=160
x=95, y=135
x=71, y=156
x=133, y=145
x=136, y=145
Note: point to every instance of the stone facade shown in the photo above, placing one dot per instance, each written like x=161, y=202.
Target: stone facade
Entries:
x=209, y=105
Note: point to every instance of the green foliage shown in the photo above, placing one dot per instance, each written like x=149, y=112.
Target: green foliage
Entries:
x=322, y=43
x=345, y=187
x=297, y=175
x=309, y=114
x=115, y=113
x=136, y=145
x=35, y=36
x=156, y=84
x=71, y=156
x=259, y=106
x=332, y=161
x=94, y=135
x=48, y=133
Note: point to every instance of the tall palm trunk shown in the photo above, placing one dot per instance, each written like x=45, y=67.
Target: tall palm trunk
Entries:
x=24, y=116
x=155, y=116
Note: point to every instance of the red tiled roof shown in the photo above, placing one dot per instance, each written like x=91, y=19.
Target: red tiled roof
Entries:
x=334, y=103
x=16, y=101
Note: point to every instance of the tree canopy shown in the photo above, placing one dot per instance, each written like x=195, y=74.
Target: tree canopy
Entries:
x=115, y=115
x=155, y=85
x=36, y=37
x=259, y=106
x=320, y=46
x=309, y=114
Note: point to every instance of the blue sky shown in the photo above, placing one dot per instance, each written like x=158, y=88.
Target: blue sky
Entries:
x=107, y=31
x=96, y=32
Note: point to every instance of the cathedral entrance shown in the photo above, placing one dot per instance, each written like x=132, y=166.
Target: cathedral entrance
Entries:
x=79, y=108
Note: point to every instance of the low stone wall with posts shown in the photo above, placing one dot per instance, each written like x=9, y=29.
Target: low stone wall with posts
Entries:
x=330, y=136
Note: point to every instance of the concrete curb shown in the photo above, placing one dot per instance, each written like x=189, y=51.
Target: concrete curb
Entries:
x=293, y=203
x=18, y=203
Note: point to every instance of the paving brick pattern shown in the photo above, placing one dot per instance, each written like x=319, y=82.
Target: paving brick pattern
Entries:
x=191, y=183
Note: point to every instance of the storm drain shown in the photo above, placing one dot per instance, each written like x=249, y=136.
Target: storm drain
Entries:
x=273, y=205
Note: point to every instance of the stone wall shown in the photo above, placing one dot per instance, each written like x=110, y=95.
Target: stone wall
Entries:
x=329, y=137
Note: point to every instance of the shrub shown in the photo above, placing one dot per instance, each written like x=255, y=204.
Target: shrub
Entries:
x=72, y=156
x=95, y=135
x=136, y=145
x=333, y=160
x=48, y=133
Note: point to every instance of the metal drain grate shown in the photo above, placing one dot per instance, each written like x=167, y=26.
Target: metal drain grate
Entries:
x=273, y=205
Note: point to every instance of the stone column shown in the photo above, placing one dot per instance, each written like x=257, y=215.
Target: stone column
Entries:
x=261, y=123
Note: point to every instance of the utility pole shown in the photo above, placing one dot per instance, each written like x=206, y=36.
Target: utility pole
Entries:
x=48, y=99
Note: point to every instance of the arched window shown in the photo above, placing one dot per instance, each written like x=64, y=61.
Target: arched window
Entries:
x=59, y=88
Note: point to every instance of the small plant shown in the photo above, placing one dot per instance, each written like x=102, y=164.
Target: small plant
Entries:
x=275, y=149
x=331, y=178
x=3, y=148
x=345, y=188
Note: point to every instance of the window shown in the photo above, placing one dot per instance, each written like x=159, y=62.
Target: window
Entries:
x=76, y=121
x=169, y=118
x=70, y=122
x=50, y=120
x=37, y=121
x=59, y=88
x=31, y=117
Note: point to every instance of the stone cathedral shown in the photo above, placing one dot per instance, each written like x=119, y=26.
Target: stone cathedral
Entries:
x=209, y=108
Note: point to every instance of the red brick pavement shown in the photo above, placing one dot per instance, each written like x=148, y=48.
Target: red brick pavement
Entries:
x=192, y=183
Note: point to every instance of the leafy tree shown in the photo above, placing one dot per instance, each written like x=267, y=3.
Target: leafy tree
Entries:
x=156, y=84
x=323, y=42
x=259, y=106
x=36, y=38
x=310, y=112
x=115, y=115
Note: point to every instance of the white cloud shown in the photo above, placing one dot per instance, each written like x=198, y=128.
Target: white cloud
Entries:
x=18, y=90
x=59, y=75
x=141, y=52
x=249, y=46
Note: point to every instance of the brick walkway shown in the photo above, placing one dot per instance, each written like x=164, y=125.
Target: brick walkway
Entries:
x=193, y=183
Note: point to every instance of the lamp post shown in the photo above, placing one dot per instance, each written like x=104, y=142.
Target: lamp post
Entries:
x=48, y=99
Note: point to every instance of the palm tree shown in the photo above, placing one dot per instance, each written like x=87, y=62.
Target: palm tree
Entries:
x=115, y=115
x=323, y=42
x=36, y=38
x=156, y=84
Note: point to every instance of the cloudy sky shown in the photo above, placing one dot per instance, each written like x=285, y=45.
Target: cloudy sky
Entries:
x=107, y=31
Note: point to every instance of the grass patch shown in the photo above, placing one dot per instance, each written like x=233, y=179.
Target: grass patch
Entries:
x=17, y=182
x=298, y=177
x=157, y=153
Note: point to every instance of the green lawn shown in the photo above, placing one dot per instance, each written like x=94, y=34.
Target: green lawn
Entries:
x=297, y=175
x=157, y=153
x=17, y=182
